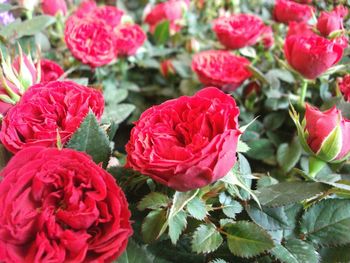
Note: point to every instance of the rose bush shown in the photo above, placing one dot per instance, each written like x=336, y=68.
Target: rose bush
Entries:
x=221, y=69
x=188, y=142
x=48, y=113
x=64, y=208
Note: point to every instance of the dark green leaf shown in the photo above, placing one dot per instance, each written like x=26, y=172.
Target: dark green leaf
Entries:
x=162, y=32
x=327, y=222
x=288, y=155
x=135, y=254
x=152, y=225
x=295, y=251
x=260, y=149
x=289, y=192
x=335, y=254
x=91, y=139
x=247, y=239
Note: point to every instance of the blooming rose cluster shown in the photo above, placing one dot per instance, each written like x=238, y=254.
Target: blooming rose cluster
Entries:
x=188, y=142
x=59, y=206
x=96, y=35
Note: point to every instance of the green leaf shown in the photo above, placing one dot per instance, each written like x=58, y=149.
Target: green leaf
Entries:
x=295, y=251
x=153, y=200
x=177, y=224
x=246, y=239
x=327, y=222
x=230, y=207
x=118, y=113
x=335, y=254
x=27, y=28
x=162, y=32
x=152, y=225
x=268, y=218
x=196, y=208
x=218, y=260
x=274, y=120
x=289, y=192
x=206, y=239
x=91, y=139
x=288, y=155
x=260, y=149
x=135, y=254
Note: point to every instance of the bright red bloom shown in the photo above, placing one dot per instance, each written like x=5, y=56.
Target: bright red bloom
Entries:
x=129, y=38
x=47, y=110
x=311, y=55
x=344, y=86
x=221, y=69
x=64, y=208
x=171, y=10
x=52, y=7
x=188, y=142
x=286, y=11
x=299, y=28
x=50, y=70
x=239, y=30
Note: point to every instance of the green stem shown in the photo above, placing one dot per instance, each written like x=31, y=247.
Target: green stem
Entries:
x=315, y=165
x=303, y=93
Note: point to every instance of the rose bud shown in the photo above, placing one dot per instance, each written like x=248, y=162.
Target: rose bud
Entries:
x=52, y=7
x=171, y=10
x=286, y=11
x=267, y=37
x=63, y=208
x=239, y=30
x=192, y=45
x=344, y=86
x=50, y=70
x=329, y=22
x=167, y=68
x=188, y=142
x=129, y=38
x=252, y=90
x=326, y=134
x=311, y=55
x=221, y=69
x=47, y=111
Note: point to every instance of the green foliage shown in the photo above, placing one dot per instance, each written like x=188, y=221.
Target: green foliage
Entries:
x=327, y=222
x=289, y=154
x=152, y=226
x=177, y=224
x=153, y=200
x=206, y=239
x=90, y=138
x=246, y=239
x=162, y=32
x=196, y=208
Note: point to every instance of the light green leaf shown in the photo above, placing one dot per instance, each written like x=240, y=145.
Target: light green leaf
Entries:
x=289, y=192
x=177, y=224
x=153, y=200
x=196, y=208
x=295, y=251
x=206, y=239
x=335, y=254
x=230, y=206
x=91, y=139
x=246, y=239
x=118, y=113
x=331, y=146
x=327, y=222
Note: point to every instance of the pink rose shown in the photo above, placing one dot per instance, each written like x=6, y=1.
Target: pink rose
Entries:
x=50, y=70
x=47, y=110
x=129, y=38
x=64, y=208
x=167, y=68
x=286, y=11
x=188, y=142
x=52, y=7
x=311, y=55
x=239, y=30
x=221, y=69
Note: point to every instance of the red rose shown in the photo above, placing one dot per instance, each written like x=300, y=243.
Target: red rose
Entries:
x=52, y=7
x=318, y=127
x=344, y=86
x=167, y=68
x=50, y=70
x=299, y=28
x=64, y=208
x=286, y=11
x=311, y=55
x=171, y=10
x=90, y=41
x=267, y=37
x=239, y=30
x=129, y=38
x=329, y=22
x=46, y=110
x=221, y=69
x=186, y=143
